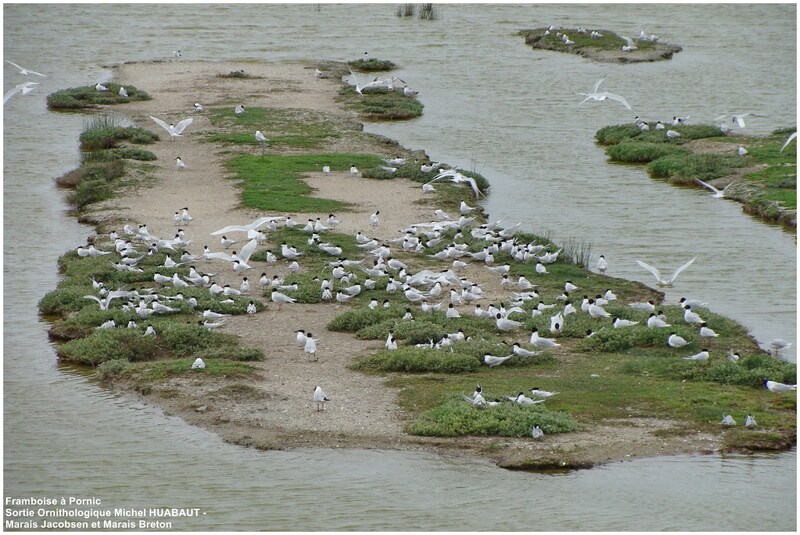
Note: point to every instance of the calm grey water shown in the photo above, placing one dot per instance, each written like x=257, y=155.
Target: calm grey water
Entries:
x=492, y=104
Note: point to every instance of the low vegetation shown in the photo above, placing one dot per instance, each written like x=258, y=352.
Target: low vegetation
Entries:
x=767, y=177
x=371, y=65
x=379, y=104
x=606, y=47
x=84, y=97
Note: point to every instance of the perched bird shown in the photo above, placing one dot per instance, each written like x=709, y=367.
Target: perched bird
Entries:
x=353, y=169
x=522, y=399
x=238, y=110
x=198, y=107
x=602, y=265
x=537, y=432
x=706, y=332
x=310, y=347
x=251, y=308
x=373, y=219
x=654, y=322
x=542, y=342
x=672, y=134
x=690, y=316
x=676, y=341
x=198, y=364
x=320, y=398
x=505, y=324
x=100, y=87
x=657, y=274
x=536, y=391
x=741, y=151
x=727, y=420
x=777, y=388
x=179, y=163
x=122, y=92
x=619, y=323
x=749, y=422
x=702, y=356
x=732, y=356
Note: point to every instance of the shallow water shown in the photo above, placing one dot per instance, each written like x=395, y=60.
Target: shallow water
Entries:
x=518, y=122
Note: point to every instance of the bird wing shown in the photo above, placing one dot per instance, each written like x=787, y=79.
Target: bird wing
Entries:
x=161, y=123
x=656, y=273
x=789, y=140
x=181, y=126
x=220, y=256
x=597, y=84
x=709, y=186
x=618, y=98
x=247, y=250
x=15, y=65
x=17, y=89
x=677, y=271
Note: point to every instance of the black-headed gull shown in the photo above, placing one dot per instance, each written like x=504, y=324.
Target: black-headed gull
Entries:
x=320, y=398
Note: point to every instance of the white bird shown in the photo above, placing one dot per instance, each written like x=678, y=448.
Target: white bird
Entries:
x=690, y=316
x=320, y=398
x=619, y=323
x=654, y=322
x=672, y=134
x=604, y=95
x=733, y=357
x=249, y=227
x=676, y=341
x=25, y=71
x=179, y=163
x=26, y=88
x=522, y=399
x=702, y=356
x=260, y=137
x=741, y=151
x=538, y=392
x=717, y=193
x=505, y=324
x=750, y=422
x=602, y=265
x=251, y=308
x=458, y=178
x=198, y=364
x=280, y=298
x=706, y=332
x=522, y=352
x=657, y=274
x=198, y=107
x=174, y=130
x=728, y=420
x=542, y=342
x=238, y=110
x=777, y=388
x=537, y=432
x=310, y=347
x=492, y=360
x=122, y=92
x=407, y=91
x=737, y=118
x=100, y=87
x=373, y=219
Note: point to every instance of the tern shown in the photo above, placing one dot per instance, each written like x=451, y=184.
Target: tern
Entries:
x=654, y=322
x=702, y=356
x=737, y=118
x=373, y=219
x=657, y=274
x=750, y=422
x=717, y=193
x=310, y=346
x=505, y=324
x=458, y=178
x=25, y=71
x=26, y=88
x=198, y=107
x=320, y=398
x=602, y=265
x=238, y=110
x=174, y=130
x=542, y=342
x=522, y=399
x=673, y=134
x=619, y=323
x=122, y=92
x=601, y=96
x=777, y=388
x=537, y=432
x=676, y=341
x=179, y=163
x=727, y=420
x=100, y=87
x=198, y=364
x=706, y=332
x=246, y=228
x=536, y=391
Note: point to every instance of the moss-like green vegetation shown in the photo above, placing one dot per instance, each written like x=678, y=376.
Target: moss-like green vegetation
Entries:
x=770, y=175
x=272, y=182
x=379, y=104
x=371, y=65
x=608, y=47
x=109, y=137
x=238, y=74
x=84, y=97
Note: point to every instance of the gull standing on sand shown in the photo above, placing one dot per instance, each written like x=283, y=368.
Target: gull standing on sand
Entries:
x=174, y=130
x=179, y=163
x=320, y=398
x=310, y=347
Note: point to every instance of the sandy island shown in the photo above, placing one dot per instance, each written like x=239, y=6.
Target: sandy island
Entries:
x=363, y=412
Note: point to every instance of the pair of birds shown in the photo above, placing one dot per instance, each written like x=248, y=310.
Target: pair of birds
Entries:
x=23, y=88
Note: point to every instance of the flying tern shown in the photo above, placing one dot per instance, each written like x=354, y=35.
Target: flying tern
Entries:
x=657, y=274
x=25, y=71
x=174, y=130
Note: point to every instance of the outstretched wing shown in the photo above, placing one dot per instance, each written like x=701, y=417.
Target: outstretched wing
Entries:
x=247, y=250
x=161, y=123
x=656, y=273
x=677, y=271
x=181, y=126
x=794, y=135
x=219, y=256
x=618, y=98
x=709, y=186
x=597, y=84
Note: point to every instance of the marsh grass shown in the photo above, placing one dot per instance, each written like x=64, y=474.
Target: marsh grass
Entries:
x=372, y=65
x=88, y=97
x=284, y=128
x=686, y=168
x=428, y=12
x=405, y=10
x=273, y=182
x=381, y=105
x=215, y=370
x=240, y=74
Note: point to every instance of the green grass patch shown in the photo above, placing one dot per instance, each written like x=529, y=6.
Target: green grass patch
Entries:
x=371, y=65
x=272, y=182
x=685, y=168
x=109, y=137
x=455, y=417
x=380, y=104
x=413, y=360
x=642, y=152
x=240, y=74
x=163, y=370
x=284, y=128
x=88, y=97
